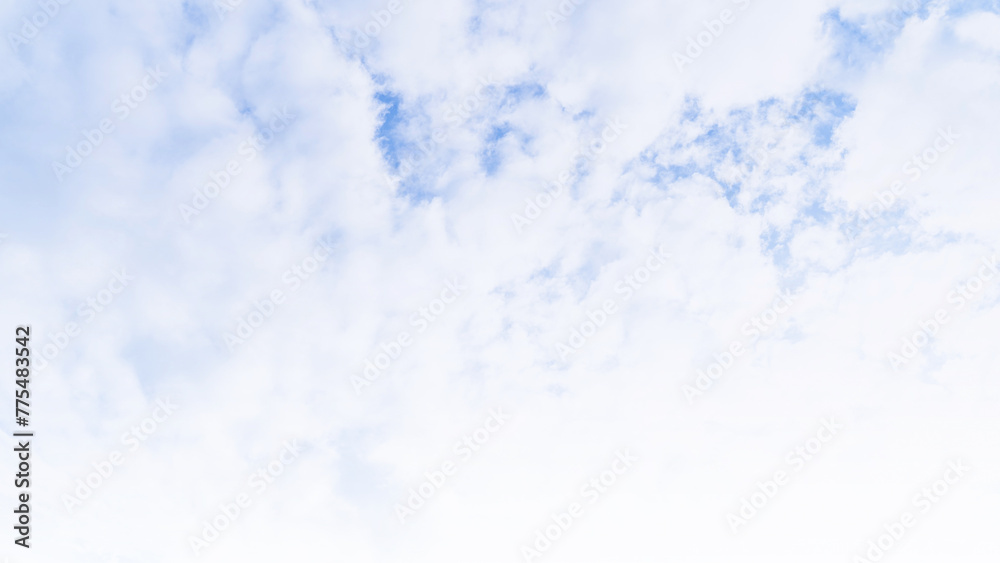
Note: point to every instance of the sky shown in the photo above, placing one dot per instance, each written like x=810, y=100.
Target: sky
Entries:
x=493, y=281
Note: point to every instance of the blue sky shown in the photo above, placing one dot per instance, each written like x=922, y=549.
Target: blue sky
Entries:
x=363, y=226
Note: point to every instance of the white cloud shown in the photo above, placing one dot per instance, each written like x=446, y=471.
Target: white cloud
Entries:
x=747, y=167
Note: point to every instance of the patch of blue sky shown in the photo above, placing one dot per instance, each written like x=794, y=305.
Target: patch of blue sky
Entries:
x=581, y=280
x=546, y=273
x=475, y=26
x=728, y=139
x=817, y=211
x=585, y=115
x=853, y=45
x=894, y=231
x=731, y=192
x=764, y=106
x=774, y=243
x=692, y=109
x=419, y=187
x=959, y=8
x=895, y=241
x=825, y=110
x=491, y=157
x=859, y=42
x=666, y=174
x=675, y=172
x=550, y=293
x=244, y=109
x=403, y=154
x=714, y=137
x=197, y=22
x=644, y=165
x=761, y=203
x=388, y=134
x=504, y=136
x=516, y=94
